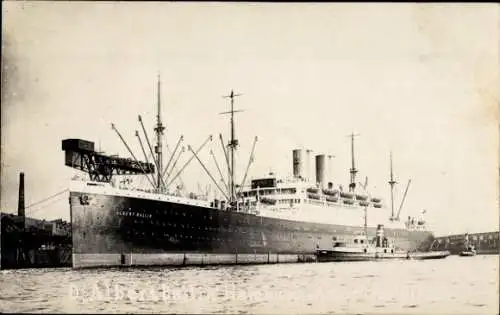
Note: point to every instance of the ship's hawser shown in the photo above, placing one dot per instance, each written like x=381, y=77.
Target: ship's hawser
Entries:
x=273, y=219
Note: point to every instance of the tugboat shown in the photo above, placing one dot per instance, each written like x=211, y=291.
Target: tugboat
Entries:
x=469, y=250
x=362, y=249
x=379, y=248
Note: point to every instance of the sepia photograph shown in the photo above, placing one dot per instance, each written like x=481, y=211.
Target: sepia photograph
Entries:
x=249, y=157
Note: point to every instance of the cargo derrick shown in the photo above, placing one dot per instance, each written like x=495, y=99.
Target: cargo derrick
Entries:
x=80, y=155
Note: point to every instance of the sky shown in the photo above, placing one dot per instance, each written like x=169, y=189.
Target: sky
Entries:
x=420, y=80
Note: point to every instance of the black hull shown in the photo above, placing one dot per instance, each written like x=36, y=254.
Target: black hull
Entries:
x=467, y=254
x=117, y=226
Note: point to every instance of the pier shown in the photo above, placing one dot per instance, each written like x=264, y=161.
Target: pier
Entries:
x=485, y=243
x=33, y=243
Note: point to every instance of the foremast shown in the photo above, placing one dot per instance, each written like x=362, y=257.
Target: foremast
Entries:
x=392, y=182
x=353, y=170
x=160, y=187
x=233, y=144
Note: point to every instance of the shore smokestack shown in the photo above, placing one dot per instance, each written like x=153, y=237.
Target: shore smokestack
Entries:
x=320, y=170
x=298, y=163
x=20, y=204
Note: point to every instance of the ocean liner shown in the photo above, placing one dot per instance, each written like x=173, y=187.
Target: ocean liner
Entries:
x=272, y=220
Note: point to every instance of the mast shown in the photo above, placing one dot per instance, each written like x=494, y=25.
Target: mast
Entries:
x=392, y=182
x=366, y=221
x=366, y=207
x=233, y=143
x=159, y=132
x=353, y=169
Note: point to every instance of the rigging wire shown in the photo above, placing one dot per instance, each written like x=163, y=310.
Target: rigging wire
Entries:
x=46, y=205
x=47, y=198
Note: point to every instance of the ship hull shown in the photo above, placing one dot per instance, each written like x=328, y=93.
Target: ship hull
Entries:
x=112, y=230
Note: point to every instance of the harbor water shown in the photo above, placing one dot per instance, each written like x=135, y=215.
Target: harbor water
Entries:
x=455, y=285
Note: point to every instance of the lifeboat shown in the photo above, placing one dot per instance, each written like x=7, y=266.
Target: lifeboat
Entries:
x=330, y=192
x=268, y=201
x=313, y=196
x=312, y=190
x=377, y=205
x=361, y=197
x=346, y=195
x=348, y=201
x=376, y=200
x=363, y=203
x=332, y=199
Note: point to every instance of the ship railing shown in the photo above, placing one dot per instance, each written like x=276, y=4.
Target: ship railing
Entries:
x=242, y=207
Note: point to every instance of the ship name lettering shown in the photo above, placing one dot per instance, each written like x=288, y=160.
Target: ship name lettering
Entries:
x=134, y=214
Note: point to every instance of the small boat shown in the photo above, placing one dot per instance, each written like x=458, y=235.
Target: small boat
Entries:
x=268, y=201
x=429, y=255
x=332, y=199
x=348, y=201
x=346, y=194
x=313, y=196
x=330, y=192
x=469, y=251
x=314, y=190
x=361, y=197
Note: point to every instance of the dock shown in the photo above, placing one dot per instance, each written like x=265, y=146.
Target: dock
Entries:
x=33, y=243
x=486, y=243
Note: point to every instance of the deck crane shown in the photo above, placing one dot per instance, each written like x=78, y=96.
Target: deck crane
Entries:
x=403, y=200
x=250, y=161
